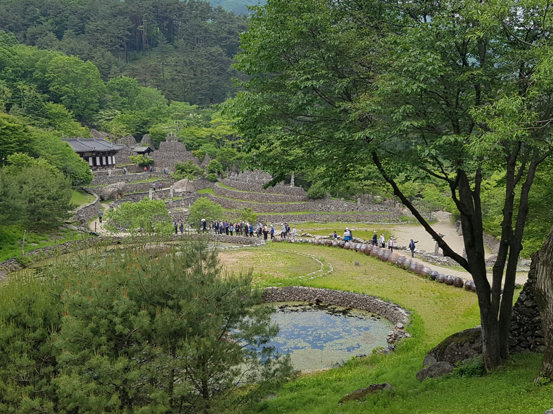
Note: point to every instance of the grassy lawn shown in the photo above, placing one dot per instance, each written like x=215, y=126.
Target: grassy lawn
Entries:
x=81, y=198
x=438, y=311
x=12, y=236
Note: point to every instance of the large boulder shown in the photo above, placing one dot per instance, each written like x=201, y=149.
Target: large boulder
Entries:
x=184, y=186
x=112, y=191
x=363, y=392
x=459, y=347
x=436, y=370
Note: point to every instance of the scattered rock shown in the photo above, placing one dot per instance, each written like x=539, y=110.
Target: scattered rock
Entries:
x=435, y=370
x=112, y=191
x=183, y=186
x=356, y=263
x=363, y=392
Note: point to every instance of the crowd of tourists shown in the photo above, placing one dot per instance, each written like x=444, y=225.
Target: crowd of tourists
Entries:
x=247, y=229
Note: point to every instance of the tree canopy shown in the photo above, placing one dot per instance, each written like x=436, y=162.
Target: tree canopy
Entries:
x=443, y=92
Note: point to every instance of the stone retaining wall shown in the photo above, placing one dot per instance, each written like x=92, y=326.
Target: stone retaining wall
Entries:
x=277, y=189
x=133, y=188
x=322, y=218
x=257, y=197
x=526, y=325
x=125, y=178
x=311, y=206
x=86, y=213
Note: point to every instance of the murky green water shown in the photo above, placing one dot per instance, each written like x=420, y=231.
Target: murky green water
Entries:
x=319, y=336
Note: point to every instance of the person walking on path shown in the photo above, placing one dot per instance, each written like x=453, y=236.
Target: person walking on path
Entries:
x=100, y=215
x=181, y=227
x=375, y=239
x=272, y=232
x=151, y=169
x=335, y=235
x=231, y=229
x=382, y=241
x=159, y=186
x=294, y=233
x=347, y=235
x=391, y=244
x=176, y=226
x=251, y=229
x=204, y=225
x=265, y=232
x=154, y=186
x=109, y=173
x=412, y=247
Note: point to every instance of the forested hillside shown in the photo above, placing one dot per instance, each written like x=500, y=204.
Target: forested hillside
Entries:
x=237, y=6
x=183, y=48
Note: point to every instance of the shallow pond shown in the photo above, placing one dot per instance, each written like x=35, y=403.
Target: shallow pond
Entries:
x=319, y=336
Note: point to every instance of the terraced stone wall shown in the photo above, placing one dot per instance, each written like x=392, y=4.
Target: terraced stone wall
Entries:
x=322, y=218
x=311, y=206
x=277, y=189
x=136, y=187
x=258, y=197
x=125, y=178
x=88, y=212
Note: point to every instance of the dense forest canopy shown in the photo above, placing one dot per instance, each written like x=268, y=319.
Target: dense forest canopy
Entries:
x=183, y=48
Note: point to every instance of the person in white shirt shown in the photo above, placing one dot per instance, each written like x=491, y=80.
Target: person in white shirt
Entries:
x=391, y=244
x=294, y=232
x=382, y=241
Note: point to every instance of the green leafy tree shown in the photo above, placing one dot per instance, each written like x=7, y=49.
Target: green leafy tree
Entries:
x=77, y=85
x=144, y=217
x=142, y=160
x=14, y=137
x=42, y=196
x=343, y=85
x=215, y=166
x=188, y=170
x=204, y=208
x=247, y=215
x=317, y=191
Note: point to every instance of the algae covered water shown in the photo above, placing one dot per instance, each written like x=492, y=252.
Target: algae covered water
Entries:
x=319, y=336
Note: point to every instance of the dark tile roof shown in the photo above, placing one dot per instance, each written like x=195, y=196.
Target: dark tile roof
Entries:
x=92, y=145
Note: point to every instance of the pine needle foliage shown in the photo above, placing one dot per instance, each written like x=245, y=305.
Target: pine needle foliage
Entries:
x=150, y=329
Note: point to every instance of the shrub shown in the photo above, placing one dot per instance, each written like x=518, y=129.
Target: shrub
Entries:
x=212, y=177
x=142, y=160
x=248, y=215
x=187, y=170
x=216, y=167
x=200, y=154
x=317, y=191
x=204, y=208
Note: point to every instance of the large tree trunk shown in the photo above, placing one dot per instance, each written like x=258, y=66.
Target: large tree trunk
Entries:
x=544, y=299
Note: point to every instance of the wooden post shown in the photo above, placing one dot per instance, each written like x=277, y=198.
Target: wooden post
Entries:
x=23, y=244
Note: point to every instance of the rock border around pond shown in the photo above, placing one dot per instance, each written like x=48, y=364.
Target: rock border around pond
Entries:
x=394, y=313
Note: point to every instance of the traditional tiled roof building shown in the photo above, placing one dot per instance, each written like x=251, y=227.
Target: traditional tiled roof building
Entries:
x=99, y=153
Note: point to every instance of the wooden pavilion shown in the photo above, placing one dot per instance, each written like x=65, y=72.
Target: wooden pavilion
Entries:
x=98, y=152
